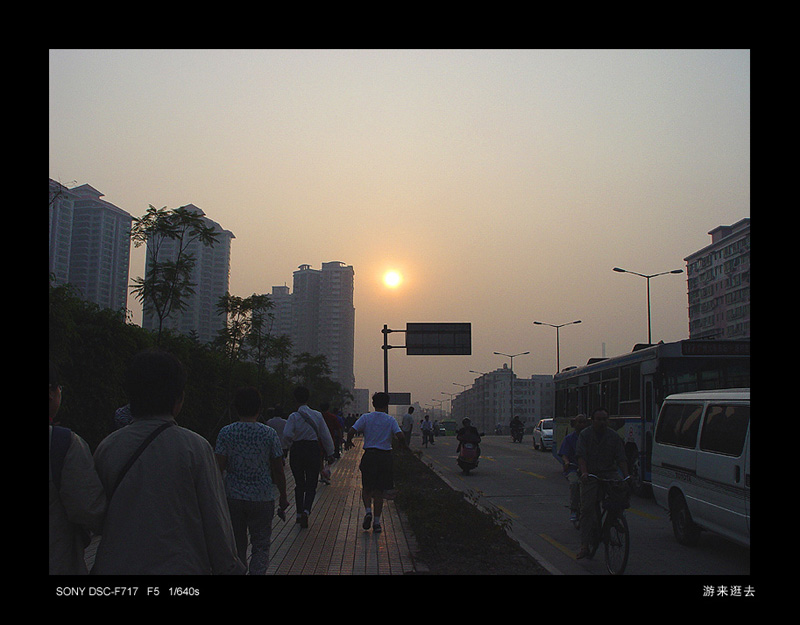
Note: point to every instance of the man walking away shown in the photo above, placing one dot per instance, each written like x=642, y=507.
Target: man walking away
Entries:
x=306, y=431
x=376, y=462
x=167, y=512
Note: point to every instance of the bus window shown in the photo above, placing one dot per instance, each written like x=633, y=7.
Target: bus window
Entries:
x=648, y=400
x=629, y=383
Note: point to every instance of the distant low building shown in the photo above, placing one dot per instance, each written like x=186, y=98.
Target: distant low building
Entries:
x=488, y=401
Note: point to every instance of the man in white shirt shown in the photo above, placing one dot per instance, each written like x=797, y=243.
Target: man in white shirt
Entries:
x=376, y=463
x=408, y=425
x=310, y=438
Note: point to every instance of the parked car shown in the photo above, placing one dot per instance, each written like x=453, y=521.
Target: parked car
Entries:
x=701, y=464
x=543, y=435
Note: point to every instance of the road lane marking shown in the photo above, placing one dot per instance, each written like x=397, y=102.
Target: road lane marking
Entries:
x=646, y=515
x=559, y=546
x=507, y=511
x=537, y=475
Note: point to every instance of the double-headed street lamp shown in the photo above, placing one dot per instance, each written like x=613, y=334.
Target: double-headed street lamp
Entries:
x=511, y=416
x=558, y=342
x=652, y=275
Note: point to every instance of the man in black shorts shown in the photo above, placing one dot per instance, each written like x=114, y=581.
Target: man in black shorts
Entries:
x=378, y=429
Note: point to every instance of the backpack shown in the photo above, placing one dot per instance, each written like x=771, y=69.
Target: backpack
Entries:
x=59, y=444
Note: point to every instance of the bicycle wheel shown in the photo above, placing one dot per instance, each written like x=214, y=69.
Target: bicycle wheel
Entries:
x=596, y=536
x=617, y=543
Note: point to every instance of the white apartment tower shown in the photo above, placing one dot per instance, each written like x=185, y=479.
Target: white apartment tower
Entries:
x=90, y=244
x=210, y=277
x=337, y=319
x=719, y=284
x=60, y=221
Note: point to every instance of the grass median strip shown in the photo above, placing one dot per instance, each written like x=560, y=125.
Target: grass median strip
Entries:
x=454, y=536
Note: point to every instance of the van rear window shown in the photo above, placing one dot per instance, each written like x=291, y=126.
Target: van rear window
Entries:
x=678, y=425
x=725, y=428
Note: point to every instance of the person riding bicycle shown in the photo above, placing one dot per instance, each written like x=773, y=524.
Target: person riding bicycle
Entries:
x=600, y=452
x=570, y=463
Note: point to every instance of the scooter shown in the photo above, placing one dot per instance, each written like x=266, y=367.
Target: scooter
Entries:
x=467, y=457
x=516, y=435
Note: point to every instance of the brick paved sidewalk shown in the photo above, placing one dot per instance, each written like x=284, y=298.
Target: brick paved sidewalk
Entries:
x=334, y=542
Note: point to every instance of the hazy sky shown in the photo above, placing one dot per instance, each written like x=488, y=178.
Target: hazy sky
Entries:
x=504, y=185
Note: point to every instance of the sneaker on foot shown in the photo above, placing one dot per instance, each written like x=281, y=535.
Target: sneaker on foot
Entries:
x=367, y=520
x=376, y=528
x=304, y=519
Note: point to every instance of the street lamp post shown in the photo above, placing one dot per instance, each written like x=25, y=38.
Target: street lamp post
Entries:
x=511, y=416
x=558, y=342
x=652, y=275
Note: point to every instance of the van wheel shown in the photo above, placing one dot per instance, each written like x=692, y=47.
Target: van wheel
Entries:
x=686, y=532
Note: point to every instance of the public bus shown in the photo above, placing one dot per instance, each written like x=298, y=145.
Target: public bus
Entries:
x=631, y=387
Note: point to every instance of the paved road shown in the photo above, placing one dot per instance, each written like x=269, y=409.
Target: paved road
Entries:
x=526, y=487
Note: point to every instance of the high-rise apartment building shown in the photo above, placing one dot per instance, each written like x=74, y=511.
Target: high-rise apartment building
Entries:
x=90, y=244
x=281, y=300
x=719, y=284
x=61, y=209
x=337, y=320
x=210, y=277
x=319, y=316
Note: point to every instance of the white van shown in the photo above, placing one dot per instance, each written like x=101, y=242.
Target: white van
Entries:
x=701, y=463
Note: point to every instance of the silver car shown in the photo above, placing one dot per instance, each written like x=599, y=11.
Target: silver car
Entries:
x=543, y=435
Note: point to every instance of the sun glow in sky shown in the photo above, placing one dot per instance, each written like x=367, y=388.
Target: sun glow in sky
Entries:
x=392, y=279
x=507, y=184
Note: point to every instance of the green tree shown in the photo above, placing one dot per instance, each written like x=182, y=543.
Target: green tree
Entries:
x=314, y=372
x=167, y=284
x=280, y=348
x=90, y=346
x=243, y=332
x=259, y=340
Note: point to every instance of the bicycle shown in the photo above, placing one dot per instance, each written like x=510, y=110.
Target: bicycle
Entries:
x=612, y=529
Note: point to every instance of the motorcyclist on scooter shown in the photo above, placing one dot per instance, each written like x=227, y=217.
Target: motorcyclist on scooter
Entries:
x=468, y=434
x=516, y=428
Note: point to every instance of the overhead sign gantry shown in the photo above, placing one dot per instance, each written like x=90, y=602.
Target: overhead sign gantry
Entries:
x=429, y=339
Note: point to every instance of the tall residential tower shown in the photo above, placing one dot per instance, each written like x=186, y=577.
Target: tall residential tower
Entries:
x=210, y=277
x=319, y=316
x=90, y=245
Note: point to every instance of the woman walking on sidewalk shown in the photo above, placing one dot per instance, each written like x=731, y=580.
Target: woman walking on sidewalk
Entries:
x=250, y=456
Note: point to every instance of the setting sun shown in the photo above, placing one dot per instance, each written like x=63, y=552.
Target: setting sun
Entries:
x=392, y=279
